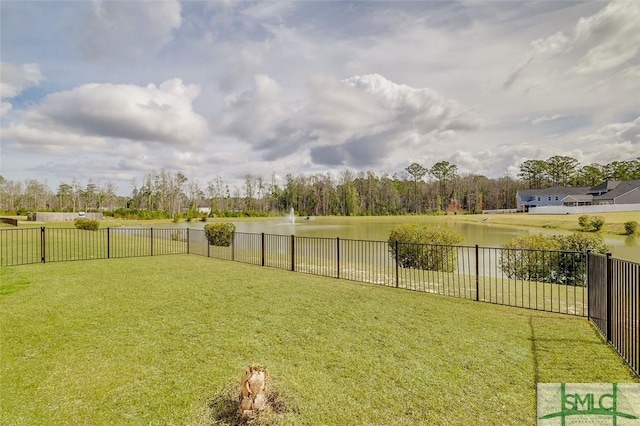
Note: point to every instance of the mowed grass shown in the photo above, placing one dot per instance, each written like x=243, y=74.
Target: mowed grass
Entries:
x=163, y=340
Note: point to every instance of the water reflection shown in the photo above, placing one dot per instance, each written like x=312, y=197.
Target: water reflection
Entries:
x=483, y=234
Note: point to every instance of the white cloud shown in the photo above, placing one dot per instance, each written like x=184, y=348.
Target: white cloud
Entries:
x=423, y=108
x=616, y=133
x=360, y=121
x=299, y=87
x=599, y=43
x=14, y=80
x=546, y=118
x=5, y=107
x=252, y=115
x=123, y=28
x=86, y=117
x=611, y=37
x=40, y=139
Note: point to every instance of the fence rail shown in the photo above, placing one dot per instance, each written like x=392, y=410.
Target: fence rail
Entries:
x=36, y=245
x=614, y=304
x=574, y=283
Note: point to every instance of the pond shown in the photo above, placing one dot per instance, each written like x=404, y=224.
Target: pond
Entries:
x=377, y=228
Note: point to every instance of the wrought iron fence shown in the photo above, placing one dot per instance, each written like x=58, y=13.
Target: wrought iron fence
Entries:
x=36, y=245
x=534, y=279
x=574, y=283
x=614, y=304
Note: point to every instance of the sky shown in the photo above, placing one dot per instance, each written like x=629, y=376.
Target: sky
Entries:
x=110, y=91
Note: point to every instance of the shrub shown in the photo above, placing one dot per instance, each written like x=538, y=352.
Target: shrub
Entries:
x=529, y=257
x=572, y=262
x=630, y=227
x=424, y=247
x=177, y=236
x=584, y=222
x=220, y=234
x=88, y=224
x=557, y=259
x=590, y=223
x=597, y=222
x=581, y=242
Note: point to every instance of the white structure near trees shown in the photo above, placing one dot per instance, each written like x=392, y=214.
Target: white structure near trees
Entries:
x=620, y=193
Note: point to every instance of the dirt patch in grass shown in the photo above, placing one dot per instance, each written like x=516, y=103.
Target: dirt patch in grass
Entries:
x=222, y=408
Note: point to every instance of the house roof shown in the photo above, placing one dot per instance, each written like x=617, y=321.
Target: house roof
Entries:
x=621, y=189
x=614, y=190
x=605, y=186
x=554, y=190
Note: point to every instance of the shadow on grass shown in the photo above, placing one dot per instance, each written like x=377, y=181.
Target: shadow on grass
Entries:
x=222, y=409
x=534, y=351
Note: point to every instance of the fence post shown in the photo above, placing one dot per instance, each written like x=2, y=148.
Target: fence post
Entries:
x=188, y=240
x=338, y=255
x=609, y=295
x=233, y=246
x=588, y=267
x=397, y=266
x=293, y=252
x=262, y=248
x=108, y=243
x=42, y=245
x=477, y=274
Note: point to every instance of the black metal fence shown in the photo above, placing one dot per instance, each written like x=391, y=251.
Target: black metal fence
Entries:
x=35, y=245
x=522, y=278
x=574, y=283
x=614, y=304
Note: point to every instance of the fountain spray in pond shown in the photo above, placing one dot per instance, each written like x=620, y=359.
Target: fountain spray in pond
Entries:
x=291, y=217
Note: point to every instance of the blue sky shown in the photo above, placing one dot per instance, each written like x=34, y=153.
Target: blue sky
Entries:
x=109, y=91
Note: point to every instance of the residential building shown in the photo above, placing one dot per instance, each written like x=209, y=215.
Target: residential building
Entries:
x=610, y=192
x=527, y=198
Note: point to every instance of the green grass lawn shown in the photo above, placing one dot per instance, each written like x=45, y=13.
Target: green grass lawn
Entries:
x=162, y=340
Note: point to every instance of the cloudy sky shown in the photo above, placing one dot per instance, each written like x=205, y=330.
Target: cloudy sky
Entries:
x=109, y=91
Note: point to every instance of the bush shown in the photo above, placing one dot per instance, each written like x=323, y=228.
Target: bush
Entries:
x=424, y=247
x=597, y=222
x=584, y=222
x=220, y=234
x=581, y=242
x=630, y=227
x=572, y=263
x=177, y=236
x=590, y=223
x=529, y=257
x=556, y=259
x=88, y=224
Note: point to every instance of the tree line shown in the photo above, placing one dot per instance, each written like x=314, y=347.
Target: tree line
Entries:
x=567, y=171
x=414, y=190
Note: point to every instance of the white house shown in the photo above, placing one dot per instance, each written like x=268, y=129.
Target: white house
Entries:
x=203, y=207
x=610, y=192
x=527, y=198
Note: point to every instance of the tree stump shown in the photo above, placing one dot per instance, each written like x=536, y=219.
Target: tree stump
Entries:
x=253, y=398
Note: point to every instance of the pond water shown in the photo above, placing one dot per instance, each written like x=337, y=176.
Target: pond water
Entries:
x=377, y=228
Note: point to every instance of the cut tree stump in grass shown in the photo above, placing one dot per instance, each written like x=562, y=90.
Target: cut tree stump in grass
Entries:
x=253, y=397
